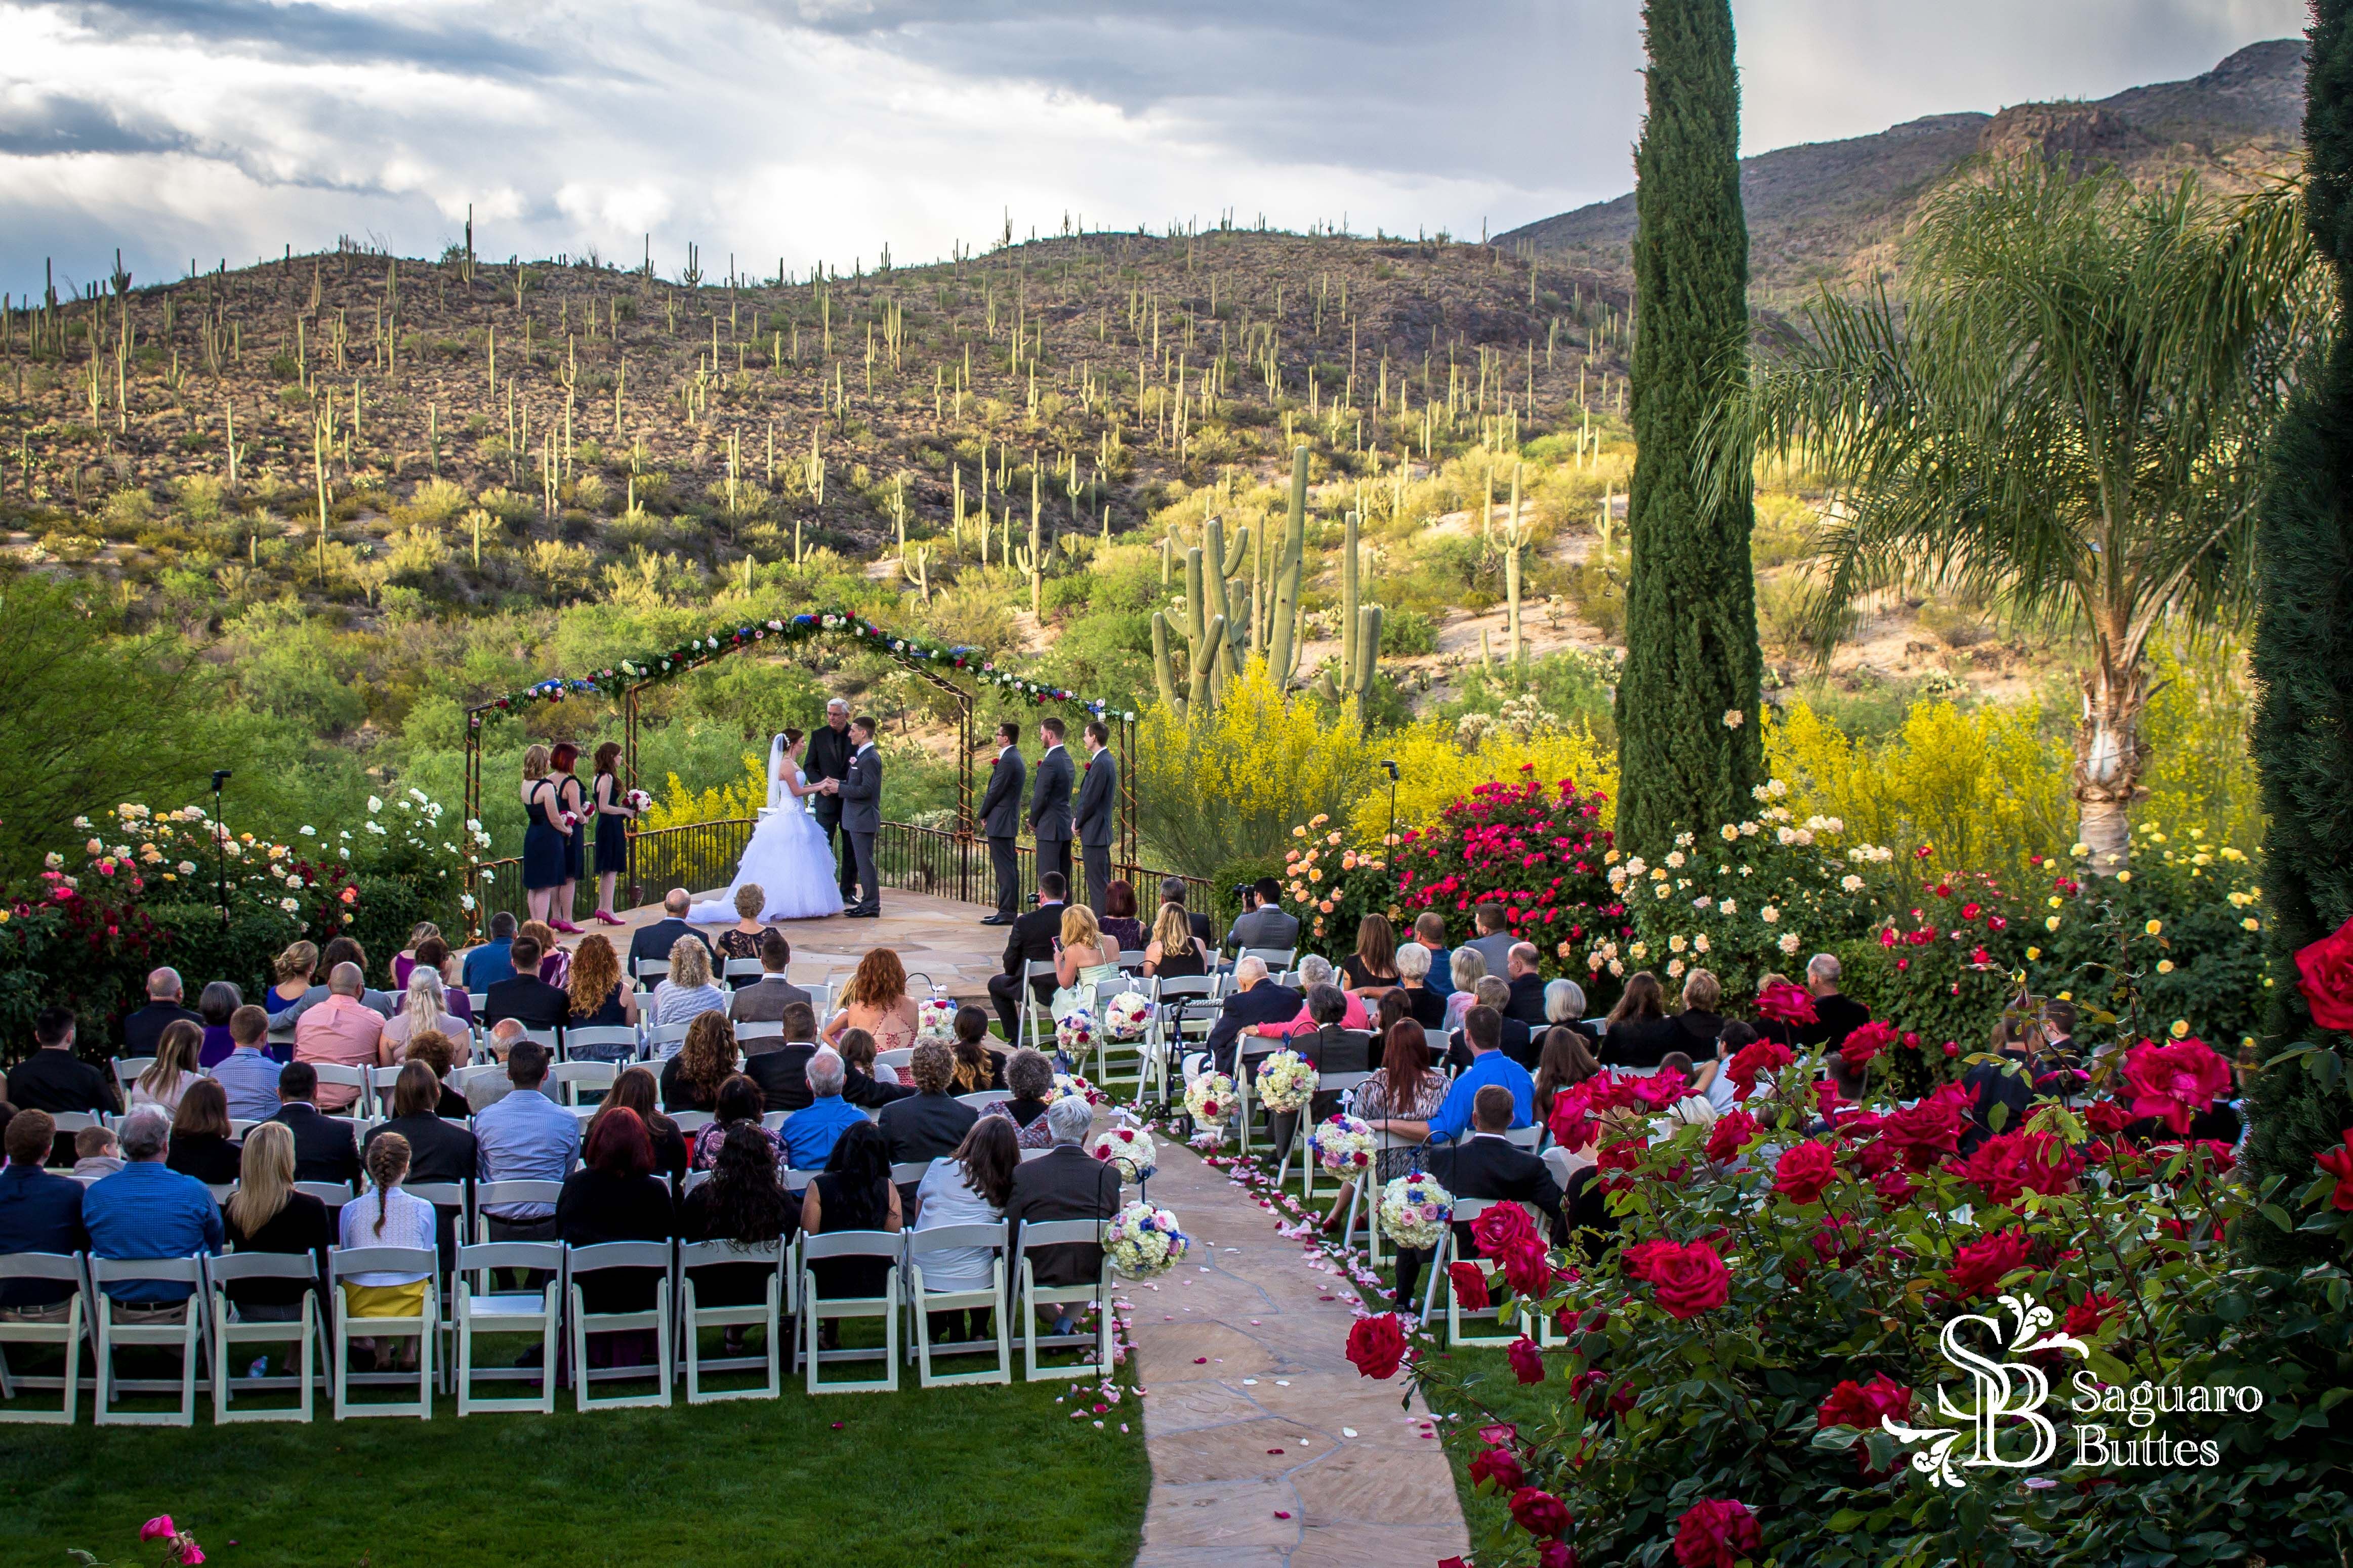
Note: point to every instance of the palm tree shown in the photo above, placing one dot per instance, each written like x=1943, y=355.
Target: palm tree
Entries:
x=2067, y=411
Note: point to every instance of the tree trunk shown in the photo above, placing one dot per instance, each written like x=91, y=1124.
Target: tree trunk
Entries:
x=2110, y=754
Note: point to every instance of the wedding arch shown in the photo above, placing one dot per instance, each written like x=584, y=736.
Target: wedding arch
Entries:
x=625, y=678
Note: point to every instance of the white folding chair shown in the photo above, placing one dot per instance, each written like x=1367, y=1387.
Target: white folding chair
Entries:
x=482, y=1310
x=648, y=969
x=922, y=1302
x=758, y=1031
x=126, y=1073
x=70, y=1123
x=238, y=1126
x=604, y=1257
x=551, y=1040
x=767, y=1316
x=1060, y=1233
x=816, y=1307
x=231, y=1331
x=187, y=1335
x=820, y=999
x=478, y=1001
x=1331, y=1082
x=690, y=1122
x=382, y=1081
x=65, y=1270
x=744, y=968
x=893, y=1059
x=570, y=1078
x=335, y=1074
x=1442, y=1257
x=460, y=1078
x=334, y=1194
x=489, y=1196
x=1184, y=1007
x=1032, y=1010
x=1105, y=991
x=662, y=1040
x=1279, y=960
x=423, y=1326
x=983, y=1098
x=601, y=1043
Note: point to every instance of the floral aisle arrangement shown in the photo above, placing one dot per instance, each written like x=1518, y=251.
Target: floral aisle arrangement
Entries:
x=1539, y=851
x=1754, y=1370
x=1343, y=1144
x=1286, y=1081
x=1142, y=1241
x=935, y=1015
x=1128, y=1150
x=1210, y=1101
x=1414, y=1209
x=1127, y=1016
x=1070, y=1085
x=1074, y=1031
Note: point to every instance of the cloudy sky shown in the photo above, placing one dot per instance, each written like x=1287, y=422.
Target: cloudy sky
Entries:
x=809, y=130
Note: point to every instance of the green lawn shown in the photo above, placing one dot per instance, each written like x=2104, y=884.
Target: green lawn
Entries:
x=940, y=1476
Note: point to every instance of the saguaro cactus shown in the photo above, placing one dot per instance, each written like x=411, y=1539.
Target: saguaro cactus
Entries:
x=1282, y=656
x=1515, y=538
x=1031, y=558
x=1360, y=636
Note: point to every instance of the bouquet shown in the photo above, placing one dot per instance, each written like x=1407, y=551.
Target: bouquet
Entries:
x=1128, y=1150
x=1414, y=1209
x=1142, y=1241
x=1285, y=1081
x=1070, y=1085
x=1128, y=1016
x=1074, y=1031
x=1345, y=1145
x=936, y=1015
x=1210, y=1099
x=636, y=800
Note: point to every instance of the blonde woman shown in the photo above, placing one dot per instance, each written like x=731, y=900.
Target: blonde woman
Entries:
x=292, y=974
x=544, y=836
x=1080, y=961
x=688, y=989
x=267, y=1214
x=1172, y=953
x=876, y=1001
x=167, y=1078
x=424, y=1009
x=386, y=1217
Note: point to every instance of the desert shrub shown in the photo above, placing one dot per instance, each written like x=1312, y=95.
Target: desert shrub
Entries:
x=1408, y=633
x=1436, y=768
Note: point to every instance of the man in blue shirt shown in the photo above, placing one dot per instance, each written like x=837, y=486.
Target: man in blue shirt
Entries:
x=148, y=1210
x=488, y=964
x=1430, y=929
x=38, y=1212
x=809, y=1133
x=248, y=1074
x=1482, y=1027
x=524, y=1137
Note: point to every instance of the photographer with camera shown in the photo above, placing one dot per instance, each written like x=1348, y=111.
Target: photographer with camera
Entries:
x=1262, y=922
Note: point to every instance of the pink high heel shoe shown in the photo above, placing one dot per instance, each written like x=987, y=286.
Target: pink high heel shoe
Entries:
x=610, y=920
x=566, y=927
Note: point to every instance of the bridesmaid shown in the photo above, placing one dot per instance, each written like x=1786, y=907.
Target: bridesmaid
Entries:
x=543, y=835
x=613, y=814
x=570, y=799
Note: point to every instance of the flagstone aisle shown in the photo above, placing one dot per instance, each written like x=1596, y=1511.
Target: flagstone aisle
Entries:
x=1254, y=1412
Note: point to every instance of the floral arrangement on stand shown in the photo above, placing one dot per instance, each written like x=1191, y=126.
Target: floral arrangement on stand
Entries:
x=1128, y=1150
x=1070, y=1085
x=1127, y=1016
x=1074, y=1032
x=1539, y=851
x=1210, y=1101
x=1143, y=1241
x=935, y=1015
x=1286, y=1081
x=1345, y=1145
x=1414, y=1209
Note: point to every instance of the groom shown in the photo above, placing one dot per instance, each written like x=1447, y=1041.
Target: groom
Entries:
x=862, y=816
x=829, y=758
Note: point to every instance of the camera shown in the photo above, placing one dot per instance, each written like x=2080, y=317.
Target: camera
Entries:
x=1242, y=890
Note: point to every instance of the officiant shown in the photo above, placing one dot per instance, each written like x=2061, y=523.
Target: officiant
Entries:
x=829, y=751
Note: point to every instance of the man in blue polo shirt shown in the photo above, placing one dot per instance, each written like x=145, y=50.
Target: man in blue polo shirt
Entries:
x=148, y=1210
x=810, y=1132
x=1482, y=1027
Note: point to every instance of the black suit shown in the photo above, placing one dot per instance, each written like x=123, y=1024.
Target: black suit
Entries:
x=1050, y=813
x=1096, y=812
x=1835, y=1018
x=783, y=1075
x=827, y=757
x=529, y=1000
x=1000, y=821
x=1484, y=1165
x=141, y=1029
x=1264, y=1002
x=1031, y=940
x=438, y=1150
x=652, y=943
x=1067, y=1184
x=56, y=1080
x=323, y=1148
x=1527, y=1000
x=861, y=819
x=1640, y=1044
x=870, y=1093
x=925, y=1127
x=1329, y=1049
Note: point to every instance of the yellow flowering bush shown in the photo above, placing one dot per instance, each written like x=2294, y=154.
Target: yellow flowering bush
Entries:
x=1433, y=771
x=678, y=806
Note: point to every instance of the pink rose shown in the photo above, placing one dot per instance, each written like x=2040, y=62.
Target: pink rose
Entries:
x=1716, y=1532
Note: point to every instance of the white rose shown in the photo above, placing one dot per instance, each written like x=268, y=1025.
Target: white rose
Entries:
x=1769, y=914
x=1789, y=942
x=1851, y=882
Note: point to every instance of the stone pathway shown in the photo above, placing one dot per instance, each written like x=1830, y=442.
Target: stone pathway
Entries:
x=1361, y=1484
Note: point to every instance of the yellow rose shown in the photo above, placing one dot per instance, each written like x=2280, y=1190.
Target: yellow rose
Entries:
x=2032, y=954
x=2180, y=1029
x=2154, y=926
x=2051, y=924
x=2165, y=966
x=2250, y=923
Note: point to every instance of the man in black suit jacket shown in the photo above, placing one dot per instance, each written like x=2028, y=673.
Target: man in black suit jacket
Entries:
x=1049, y=804
x=53, y=1079
x=1000, y=821
x=1835, y=1015
x=652, y=943
x=1487, y=1165
x=323, y=1148
x=1329, y=1048
x=141, y=1029
x=827, y=757
x=1097, y=811
x=527, y=999
x=764, y=1001
x=1066, y=1183
x=1031, y=940
x=1257, y=999
x=930, y=1123
x=861, y=816
x=1527, y=1000
x=1518, y=1042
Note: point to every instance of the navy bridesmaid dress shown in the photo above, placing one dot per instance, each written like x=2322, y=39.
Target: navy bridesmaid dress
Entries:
x=543, y=845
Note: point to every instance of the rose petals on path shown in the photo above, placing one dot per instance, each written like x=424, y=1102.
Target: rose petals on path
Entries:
x=1197, y=1361
x=1344, y=1431
x=1280, y=1514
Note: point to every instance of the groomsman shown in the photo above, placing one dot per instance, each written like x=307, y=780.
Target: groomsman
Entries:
x=829, y=758
x=1049, y=804
x=1098, y=807
x=1000, y=819
x=861, y=816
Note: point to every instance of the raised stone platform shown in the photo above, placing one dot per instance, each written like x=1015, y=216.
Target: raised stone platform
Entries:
x=939, y=939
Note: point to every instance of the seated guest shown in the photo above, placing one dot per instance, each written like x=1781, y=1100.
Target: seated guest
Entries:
x=870, y=1085
x=215, y=1003
x=434, y=953
x=659, y=942
x=1564, y=1062
x=201, y=1146
x=341, y=1030
x=929, y=1122
x=737, y=1103
x=386, y=1217
x=53, y=1079
x=1487, y=1165
x=600, y=998
x=636, y=1091
x=440, y=1054
x=1122, y=930
x=1031, y=1076
x=1492, y=991
x=967, y=1184
x=852, y=1192
x=1264, y=924
x=1331, y=1047
x=1527, y=985
x=1422, y=1004
x=248, y=1074
x=406, y=961
x=1464, y=972
x=688, y=989
x=38, y=1212
x=1068, y=1184
x=342, y=949
x=765, y=1000
x=1638, y=1031
x=294, y=972
x=143, y=1030
x=1172, y=891
x=1175, y=951
x=1699, y=1022
x=1316, y=970
x=525, y=1137
x=1484, y=1030
x=148, y=1210
x=1031, y=939
x=1564, y=1009
x=1256, y=1001
x=484, y=1089
x=323, y=1148
x=1405, y=1086
x=743, y=1205
x=812, y=1131
x=1390, y=1012
x=523, y=996
x=1372, y=968
x=782, y=1073
x=876, y=1001
x=1429, y=935
x=1836, y=1016
x=488, y=964
x=167, y=1078
x=554, y=963
x=742, y=940
x=439, y=1149
x=618, y=1197
x=691, y=1080
x=97, y=1153
x=425, y=1007
x=267, y=1214
x=979, y=1065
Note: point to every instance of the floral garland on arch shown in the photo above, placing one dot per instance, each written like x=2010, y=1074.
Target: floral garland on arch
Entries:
x=697, y=651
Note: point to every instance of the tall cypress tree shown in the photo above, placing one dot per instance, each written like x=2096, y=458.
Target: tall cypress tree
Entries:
x=2303, y=740
x=1689, y=748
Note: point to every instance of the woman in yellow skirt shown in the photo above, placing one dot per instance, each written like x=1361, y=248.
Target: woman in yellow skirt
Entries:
x=387, y=1217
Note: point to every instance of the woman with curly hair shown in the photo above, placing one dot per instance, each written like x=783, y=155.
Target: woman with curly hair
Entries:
x=745, y=1205
x=691, y=1080
x=876, y=1001
x=599, y=997
x=738, y=1103
x=637, y=1093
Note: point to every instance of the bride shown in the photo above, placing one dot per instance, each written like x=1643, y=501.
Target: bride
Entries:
x=788, y=857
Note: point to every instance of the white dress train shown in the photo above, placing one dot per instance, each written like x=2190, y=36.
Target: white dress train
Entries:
x=787, y=858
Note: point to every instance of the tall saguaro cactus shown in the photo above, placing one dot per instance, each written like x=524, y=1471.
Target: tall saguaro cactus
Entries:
x=1211, y=654
x=1516, y=539
x=1360, y=637
x=1283, y=634
x=1031, y=559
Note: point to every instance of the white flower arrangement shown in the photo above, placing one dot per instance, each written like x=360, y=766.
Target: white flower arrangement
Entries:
x=1070, y=1085
x=1345, y=1145
x=1074, y=1031
x=1142, y=1241
x=936, y=1015
x=1286, y=1081
x=1127, y=1016
x=1414, y=1209
x=1128, y=1150
x=1210, y=1099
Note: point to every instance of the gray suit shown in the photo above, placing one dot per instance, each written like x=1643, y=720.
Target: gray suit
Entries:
x=765, y=1000
x=1049, y=812
x=1000, y=820
x=862, y=818
x=1098, y=809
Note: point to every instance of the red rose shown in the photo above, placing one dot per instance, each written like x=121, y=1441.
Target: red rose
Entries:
x=1528, y=1271
x=1749, y=1061
x=1555, y=1554
x=1981, y=1264
x=1864, y=1042
x=2091, y=1314
x=2009, y=1164
x=1377, y=1345
x=1503, y=1229
x=1469, y=1282
x=1716, y=1532
x=1804, y=1171
x=2106, y=1118
x=1527, y=1362
x=1540, y=1513
x=1785, y=1003
x=2338, y=1162
x=1731, y=1134
x=1689, y=1279
x=1894, y=1188
x=1499, y=1466
x=2325, y=976
x=1923, y=1131
x=2174, y=1082
x=1861, y=1406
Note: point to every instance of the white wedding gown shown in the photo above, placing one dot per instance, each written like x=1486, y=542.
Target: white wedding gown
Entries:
x=787, y=858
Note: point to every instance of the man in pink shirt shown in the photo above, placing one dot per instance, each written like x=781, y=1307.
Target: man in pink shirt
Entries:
x=341, y=1030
